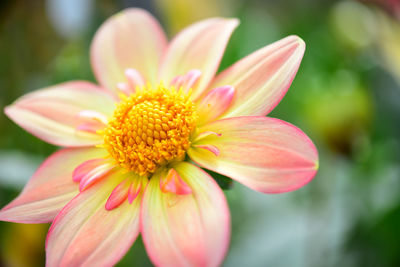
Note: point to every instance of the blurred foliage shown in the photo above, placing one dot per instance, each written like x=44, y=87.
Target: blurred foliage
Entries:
x=28, y=252
x=180, y=13
x=372, y=241
x=345, y=97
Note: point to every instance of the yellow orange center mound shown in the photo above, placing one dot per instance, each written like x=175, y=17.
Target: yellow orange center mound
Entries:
x=150, y=128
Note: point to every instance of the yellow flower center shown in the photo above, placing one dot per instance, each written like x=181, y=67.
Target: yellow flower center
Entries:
x=150, y=128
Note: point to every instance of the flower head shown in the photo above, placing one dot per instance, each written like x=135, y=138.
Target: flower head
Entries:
x=136, y=143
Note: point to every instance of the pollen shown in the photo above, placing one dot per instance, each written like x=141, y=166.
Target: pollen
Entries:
x=150, y=128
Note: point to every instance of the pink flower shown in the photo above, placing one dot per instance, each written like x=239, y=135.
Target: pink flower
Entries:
x=126, y=168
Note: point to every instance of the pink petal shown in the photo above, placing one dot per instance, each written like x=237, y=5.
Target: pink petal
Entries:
x=84, y=233
x=83, y=169
x=214, y=104
x=54, y=114
x=93, y=177
x=138, y=184
x=206, y=134
x=200, y=47
x=262, y=78
x=91, y=127
x=91, y=171
x=93, y=115
x=186, y=230
x=265, y=154
x=124, y=88
x=131, y=39
x=212, y=149
x=118, y=195
x=171, y=182
x=134, y=79
x=50, y=188
x=187, y=81
x=92, y=121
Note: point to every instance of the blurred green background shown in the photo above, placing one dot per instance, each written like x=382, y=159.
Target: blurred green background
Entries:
x=346, y=97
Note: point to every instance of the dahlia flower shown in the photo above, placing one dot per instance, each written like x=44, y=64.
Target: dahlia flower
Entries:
x=135, y=145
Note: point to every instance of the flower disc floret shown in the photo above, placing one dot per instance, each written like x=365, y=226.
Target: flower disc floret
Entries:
x=150, y=128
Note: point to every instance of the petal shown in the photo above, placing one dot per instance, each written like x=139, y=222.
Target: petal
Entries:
x=94, y=175
x=211, y=148
x=265, y=154
x=215, y=103
x=262, y=78
x=84, y=233
x=131, y=39
x=206, y=134
x=93, y=116
x=86, y=167
x=137, y=185
x=118, y=195
x=200, y=47
x=55, y=114
x=173, y=183
x=50, y=188
x=186, y=230
x=187, y=81
x=91, y=121
x=91, y=171
x=133, y=80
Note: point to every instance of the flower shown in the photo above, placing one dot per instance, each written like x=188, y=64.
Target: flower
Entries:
x=135, y=143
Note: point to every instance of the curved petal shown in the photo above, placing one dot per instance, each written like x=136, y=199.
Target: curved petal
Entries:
x=118, y=195
x=84, y=233
x=262, y=78
x=173, y=183
x=200, y=47
x=136, y=187
x=131, y=39
x=215, y=103
x=185, y=230
x=134, y=80
x=265, y=154
x=55, y=115
x=186, y=81
x=95, y=175
x=86, y=167
x=50, y=188
x=91, y=171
